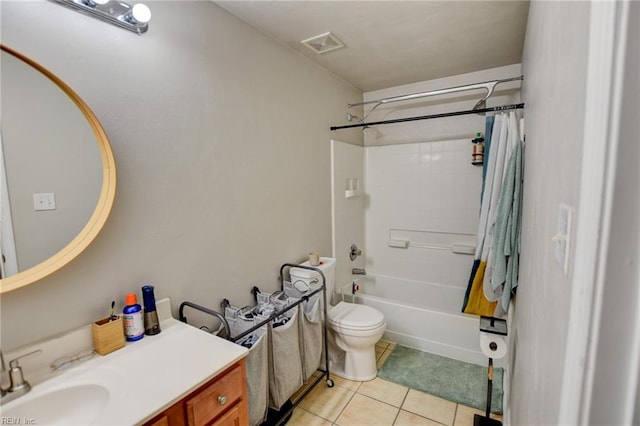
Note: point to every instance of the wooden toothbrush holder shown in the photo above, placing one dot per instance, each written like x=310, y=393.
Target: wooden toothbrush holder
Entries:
x=108, y=335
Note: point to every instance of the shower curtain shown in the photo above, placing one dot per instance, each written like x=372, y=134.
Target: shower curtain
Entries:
x=494, y=275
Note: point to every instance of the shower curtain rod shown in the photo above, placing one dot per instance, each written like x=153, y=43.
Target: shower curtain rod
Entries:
x=427, y=117
x=489, y=86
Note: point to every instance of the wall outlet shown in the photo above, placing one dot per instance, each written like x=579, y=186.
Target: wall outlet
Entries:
x=44, y=201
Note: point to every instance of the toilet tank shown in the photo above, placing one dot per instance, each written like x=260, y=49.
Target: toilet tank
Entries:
x=328, y=268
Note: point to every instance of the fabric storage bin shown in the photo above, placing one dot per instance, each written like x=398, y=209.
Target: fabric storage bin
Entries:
x=257, y=363
x=285, y=364
x=311, y=327
x=299, y=288
x=311, y=335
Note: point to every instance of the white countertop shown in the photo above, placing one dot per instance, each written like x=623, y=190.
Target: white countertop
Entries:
x=142, y=379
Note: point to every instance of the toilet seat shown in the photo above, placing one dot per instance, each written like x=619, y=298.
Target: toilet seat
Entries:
x=350, y=316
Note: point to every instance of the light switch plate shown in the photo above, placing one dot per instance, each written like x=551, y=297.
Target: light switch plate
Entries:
x=563, y=237
x=44, y=201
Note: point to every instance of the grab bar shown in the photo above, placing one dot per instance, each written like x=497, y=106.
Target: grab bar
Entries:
x=455, y=248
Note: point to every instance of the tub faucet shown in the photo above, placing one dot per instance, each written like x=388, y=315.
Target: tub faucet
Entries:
x=358, y=271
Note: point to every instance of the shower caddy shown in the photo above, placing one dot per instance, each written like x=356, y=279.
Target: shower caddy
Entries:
x=282, y=416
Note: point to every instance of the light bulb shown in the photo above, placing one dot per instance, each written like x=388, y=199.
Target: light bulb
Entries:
x=94, y=3
x=141, y=13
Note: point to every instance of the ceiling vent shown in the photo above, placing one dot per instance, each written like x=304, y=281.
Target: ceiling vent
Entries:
x=323, y=43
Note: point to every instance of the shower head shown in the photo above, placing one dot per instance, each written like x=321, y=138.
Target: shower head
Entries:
x=351, y=117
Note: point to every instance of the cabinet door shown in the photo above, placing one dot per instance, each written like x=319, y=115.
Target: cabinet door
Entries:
x=216, y=398
x=231, y=418
x=173, y=416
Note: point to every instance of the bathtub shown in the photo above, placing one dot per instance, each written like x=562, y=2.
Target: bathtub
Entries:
x=424, y=316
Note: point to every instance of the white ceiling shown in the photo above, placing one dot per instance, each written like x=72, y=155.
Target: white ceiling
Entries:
x=390, y=43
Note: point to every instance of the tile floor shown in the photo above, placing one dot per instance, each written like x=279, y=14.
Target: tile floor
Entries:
x=377, y=402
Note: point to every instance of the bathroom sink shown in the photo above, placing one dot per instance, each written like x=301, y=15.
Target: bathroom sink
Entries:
x=78, y=404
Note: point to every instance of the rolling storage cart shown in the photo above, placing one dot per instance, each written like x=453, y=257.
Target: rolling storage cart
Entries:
x=286, y=334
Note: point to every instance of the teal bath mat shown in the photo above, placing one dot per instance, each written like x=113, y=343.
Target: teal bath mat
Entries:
x=453, y=380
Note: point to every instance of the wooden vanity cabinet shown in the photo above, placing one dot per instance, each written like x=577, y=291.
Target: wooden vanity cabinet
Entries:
x=220, y=402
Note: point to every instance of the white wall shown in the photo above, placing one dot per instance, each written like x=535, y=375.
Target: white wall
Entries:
x=554, y=65
x=348, y=208
x=221, y=139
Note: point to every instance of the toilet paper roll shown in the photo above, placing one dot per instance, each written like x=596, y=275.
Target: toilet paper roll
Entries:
x=493, y=346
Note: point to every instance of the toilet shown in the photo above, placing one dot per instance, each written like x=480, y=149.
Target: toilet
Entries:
x=353, y=329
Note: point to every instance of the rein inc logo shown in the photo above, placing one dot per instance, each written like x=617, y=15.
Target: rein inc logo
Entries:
x=17, y=421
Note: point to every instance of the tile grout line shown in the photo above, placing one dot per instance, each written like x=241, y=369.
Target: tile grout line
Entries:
x=455, y=415
x=377, y=401
x=405, y=398
x=424, y=417
x=343, y=408
x=381, y=401
x=400, y=408
x=313, y=414
x=328, y=419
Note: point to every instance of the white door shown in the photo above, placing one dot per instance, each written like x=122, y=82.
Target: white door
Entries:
x=9, y=263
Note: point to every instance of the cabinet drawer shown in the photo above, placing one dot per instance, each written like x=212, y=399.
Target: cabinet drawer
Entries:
x=215, y=398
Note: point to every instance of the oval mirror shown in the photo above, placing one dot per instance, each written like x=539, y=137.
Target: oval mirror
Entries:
x=57, y=173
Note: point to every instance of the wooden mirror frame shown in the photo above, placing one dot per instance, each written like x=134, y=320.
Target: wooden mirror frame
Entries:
x=103, y=206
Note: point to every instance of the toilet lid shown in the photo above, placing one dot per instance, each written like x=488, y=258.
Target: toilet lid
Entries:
x=350, y=315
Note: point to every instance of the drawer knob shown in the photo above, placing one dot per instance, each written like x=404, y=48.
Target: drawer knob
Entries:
x=222, y=400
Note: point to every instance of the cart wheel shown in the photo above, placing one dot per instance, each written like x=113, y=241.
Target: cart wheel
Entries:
x=330, y=383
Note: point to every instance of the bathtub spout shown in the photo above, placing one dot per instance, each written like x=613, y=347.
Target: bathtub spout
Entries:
x=358, y=271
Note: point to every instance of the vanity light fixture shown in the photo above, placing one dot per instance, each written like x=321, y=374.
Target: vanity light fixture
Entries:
x=133, y=18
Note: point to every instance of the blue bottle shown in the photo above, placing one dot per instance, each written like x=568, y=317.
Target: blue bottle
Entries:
x=151, y=324
x=132, y=318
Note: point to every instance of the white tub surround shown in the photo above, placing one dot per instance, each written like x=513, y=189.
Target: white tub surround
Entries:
x=141, y=379
x=424, y=316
